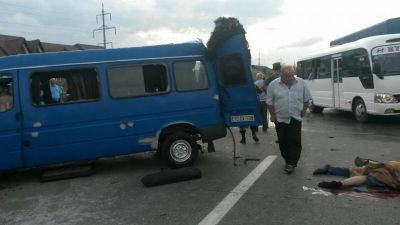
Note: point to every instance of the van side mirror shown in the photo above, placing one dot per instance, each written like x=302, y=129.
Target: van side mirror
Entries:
x=376, y=69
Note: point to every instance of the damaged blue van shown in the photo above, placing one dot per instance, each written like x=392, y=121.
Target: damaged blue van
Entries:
x=111, y=102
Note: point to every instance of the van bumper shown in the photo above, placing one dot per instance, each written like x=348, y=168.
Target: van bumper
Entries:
x=213, y=132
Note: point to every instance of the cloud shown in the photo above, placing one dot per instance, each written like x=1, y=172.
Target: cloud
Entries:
x=302, y=43
x=144, y=21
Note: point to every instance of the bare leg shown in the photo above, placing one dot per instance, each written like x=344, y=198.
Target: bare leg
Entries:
x=354, y=181
x=348, y=182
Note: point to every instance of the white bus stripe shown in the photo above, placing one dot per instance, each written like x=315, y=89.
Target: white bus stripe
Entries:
x=230, y=200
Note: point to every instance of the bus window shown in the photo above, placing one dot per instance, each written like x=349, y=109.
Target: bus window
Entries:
x=299, y=70
x=308, y=70
x=356, y=63
x=324, y=68
x=6, y=93
x=137, y=80
x=190, y=76
x=232, y=70
x=64, y=86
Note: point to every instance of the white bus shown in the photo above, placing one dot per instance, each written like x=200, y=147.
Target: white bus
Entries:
x=361, y=76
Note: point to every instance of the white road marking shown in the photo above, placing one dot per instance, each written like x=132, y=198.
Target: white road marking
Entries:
x=230, y=200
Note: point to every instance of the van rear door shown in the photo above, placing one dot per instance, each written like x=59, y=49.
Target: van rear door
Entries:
x=237, y=92
x=10, y=122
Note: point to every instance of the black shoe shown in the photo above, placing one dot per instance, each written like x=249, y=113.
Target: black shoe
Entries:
x=330, y=184
x=265, y=129
x=323, y=170
x=289, y=169
x=255, y=138
x=243, y=141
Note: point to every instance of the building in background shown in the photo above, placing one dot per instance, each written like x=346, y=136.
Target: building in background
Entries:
x=14, y=45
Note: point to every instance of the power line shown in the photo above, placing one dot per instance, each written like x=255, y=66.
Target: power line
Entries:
x=104, y=27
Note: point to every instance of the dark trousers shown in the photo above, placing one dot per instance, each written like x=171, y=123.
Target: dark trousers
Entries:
x=252, y=128
x=289, y=138
x=338, y=171
x=264, y=117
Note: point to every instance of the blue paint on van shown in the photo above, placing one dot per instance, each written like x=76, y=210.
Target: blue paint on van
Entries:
x=121, y=101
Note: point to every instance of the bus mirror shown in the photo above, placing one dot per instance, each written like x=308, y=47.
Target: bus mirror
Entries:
x=376, y=68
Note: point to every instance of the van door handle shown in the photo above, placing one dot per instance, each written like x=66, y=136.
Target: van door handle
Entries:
x=27, y=143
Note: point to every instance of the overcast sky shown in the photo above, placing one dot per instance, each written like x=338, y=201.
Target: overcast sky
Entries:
x=277, y=30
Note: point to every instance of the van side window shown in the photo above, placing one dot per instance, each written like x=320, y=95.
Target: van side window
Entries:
x=190, y=76
x=64, y=86
x=6, y=93
x=231, y=69
x=137, y=80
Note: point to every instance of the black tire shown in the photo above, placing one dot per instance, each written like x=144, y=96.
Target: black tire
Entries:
x=315, y=109
x=360, y=111
x=180, y=149
x=171, y=176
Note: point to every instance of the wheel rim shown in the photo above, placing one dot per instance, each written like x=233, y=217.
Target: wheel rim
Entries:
x=180, y=150
x=360, y=110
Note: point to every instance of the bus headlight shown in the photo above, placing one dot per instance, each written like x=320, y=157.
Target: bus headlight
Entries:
x=385, y=98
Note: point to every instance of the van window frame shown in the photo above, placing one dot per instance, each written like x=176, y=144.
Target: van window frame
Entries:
x=9, y=75
x=226, y=81
x=130, y=64
x=55, y=70
x=191, y=90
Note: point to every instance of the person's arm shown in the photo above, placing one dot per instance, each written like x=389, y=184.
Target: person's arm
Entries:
x=271, y=113
x=307, y=98
x=305, y=107
x=269, y=101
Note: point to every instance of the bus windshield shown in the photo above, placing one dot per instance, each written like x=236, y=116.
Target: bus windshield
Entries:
x=389, y=58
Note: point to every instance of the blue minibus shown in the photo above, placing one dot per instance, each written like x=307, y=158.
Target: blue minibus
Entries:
x=82, y=105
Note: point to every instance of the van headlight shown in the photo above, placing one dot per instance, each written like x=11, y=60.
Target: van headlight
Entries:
x=385, y=98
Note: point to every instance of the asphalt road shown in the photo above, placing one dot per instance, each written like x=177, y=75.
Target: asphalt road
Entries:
x=115, y=194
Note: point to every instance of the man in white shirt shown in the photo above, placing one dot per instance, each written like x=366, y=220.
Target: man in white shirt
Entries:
x=287, y=101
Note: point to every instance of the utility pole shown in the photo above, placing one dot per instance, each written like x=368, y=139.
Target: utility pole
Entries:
x=104, y=27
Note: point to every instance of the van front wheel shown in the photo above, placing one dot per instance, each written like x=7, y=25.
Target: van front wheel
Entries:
x=180, y=149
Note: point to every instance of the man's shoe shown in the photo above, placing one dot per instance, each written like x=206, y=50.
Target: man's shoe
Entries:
x=323, y=170
x=255, y=138
x=243, y=141
x=289, y=169
x=330, y=184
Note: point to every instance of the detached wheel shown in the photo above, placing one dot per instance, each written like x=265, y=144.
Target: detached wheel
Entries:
x=180, y=149
x=360, y=111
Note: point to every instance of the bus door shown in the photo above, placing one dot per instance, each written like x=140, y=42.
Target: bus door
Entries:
x=10, y=122
x=237, y=93
x=337, y=81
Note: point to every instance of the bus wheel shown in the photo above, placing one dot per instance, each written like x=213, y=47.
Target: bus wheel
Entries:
x=360, y=111
x=180, y=149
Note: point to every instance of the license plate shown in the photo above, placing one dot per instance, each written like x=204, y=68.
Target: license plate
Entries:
x=242, y=118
